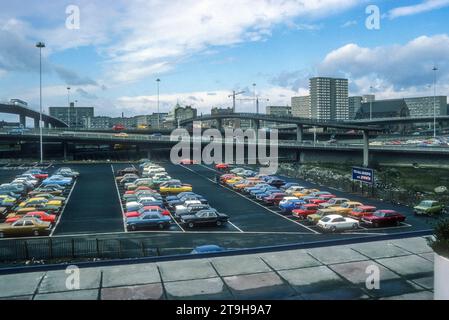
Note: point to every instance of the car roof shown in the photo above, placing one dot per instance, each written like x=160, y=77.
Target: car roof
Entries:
x=387, y=211
x=333, y=216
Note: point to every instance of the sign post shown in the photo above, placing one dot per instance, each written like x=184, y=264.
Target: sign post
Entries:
x=364, y=175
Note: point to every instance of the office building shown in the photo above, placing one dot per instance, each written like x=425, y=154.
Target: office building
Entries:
x=354, y=104
x=75, y=117
x=424, y=106
x=178, y=114
x=394, y=108
x=329, y=98
x=283, y=111
x=301, y=107
x=137, y=122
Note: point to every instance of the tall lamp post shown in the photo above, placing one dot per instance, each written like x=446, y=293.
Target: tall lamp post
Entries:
x=68, y=103
x=371, y=103
x=40, y=46
x=255, y=101
x=435, y=69
x=158, y=81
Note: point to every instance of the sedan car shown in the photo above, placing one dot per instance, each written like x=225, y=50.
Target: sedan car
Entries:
x=7, y=201
x=187, y=162
x=428, y=207
x=304, y=211
x=174, y=189
x=40, y=202
x=222, y=166
x=25, y=227
x=145, y=210
x=335, y=223
x=359, y=212
x=50, y=197
x=383, y=218
x=130, y=170
x=41, y=215
x=57, y=179
x=149, y=220
x=205, y=217
x=290, y=205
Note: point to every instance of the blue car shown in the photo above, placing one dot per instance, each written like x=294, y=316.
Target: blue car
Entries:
x=179, y=201
x=58, y=180
x=255, y=193
x=288, y=185
x=211, y=248
x=267, y=193
x=149, y=220
x=256, y=187
x=276, y=182
x=291, y=205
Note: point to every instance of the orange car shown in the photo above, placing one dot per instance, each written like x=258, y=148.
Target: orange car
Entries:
x=359, y=212
x=226, y=177
x=246, y=183
x=304, y=192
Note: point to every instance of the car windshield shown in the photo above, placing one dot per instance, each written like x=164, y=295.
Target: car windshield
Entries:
x=326, y=219
x=426, y=204
x=379, y=214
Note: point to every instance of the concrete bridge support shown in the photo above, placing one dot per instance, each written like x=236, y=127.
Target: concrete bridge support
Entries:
x=220, y=124
x=256, y=124
x=365, y=149
x=299, y=133
x=23, y=120
x=46, y=125
x=36, y=123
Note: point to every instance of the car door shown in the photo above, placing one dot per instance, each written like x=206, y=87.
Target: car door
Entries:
x=28, y=227
x=340, y=223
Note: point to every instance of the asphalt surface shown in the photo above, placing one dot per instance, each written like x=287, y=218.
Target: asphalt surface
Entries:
x=94, y=211
x=93, y=206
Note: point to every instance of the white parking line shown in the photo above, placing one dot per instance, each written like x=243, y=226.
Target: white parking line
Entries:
x=240, y=230
x=173, y=218
x=280, y=215
x=63, y=209
x=119, y=199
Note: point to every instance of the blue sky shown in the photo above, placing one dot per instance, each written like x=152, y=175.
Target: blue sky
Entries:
x=202, y=50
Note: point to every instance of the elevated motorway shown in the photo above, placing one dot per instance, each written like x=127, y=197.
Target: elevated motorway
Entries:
x=288, y=146
x=405, y=120
x=24, y=112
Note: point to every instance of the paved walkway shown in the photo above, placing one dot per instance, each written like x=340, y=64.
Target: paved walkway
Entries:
x=406, y=272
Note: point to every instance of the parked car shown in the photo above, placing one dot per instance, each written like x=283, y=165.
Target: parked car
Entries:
x=25, y=227
x=191, y=209
x=334, y=202
x=335, y=223
x=383, y=218
x=148, y=220
x=274, y=198
x=147, y=209
x=205, y=217
x=344, y=209
x=175, y=188
x=57, y=179
x=288, y=185
x=428, y=207
x=222, y=166
x=41, y=215
x=290, y=205
x=321, y=199
x=131, y=170
x=359, y=212
x=304, y=211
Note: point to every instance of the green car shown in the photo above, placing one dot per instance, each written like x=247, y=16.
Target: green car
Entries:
x=429, y=207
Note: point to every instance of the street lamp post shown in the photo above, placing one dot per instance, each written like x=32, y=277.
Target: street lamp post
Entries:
x=40, y=46
x=435, y=69
x=371, y=103
x=158, y=114
x=68, y=102
x=255, y=99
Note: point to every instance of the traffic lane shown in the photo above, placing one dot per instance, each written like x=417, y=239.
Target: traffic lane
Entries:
x=121, y=190
x=94, y=206
x=244, y=213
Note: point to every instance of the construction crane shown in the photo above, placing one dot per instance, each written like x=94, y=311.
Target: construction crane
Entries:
x=233, y=95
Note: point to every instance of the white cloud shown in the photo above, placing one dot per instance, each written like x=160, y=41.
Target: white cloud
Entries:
x=425, y=6
x=401, y=66
x=348, y=24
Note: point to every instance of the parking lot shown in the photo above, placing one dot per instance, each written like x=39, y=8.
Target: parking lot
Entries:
x=94, y=208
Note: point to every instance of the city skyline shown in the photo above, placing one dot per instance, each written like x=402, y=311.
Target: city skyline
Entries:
x=218, y=52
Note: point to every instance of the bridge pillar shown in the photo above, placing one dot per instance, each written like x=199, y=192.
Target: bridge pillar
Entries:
x=36, y=123
x=23, y=120
x=220, y=124
x=256, y=124
x=365, y=148
x=299, y=132
x=46, y=125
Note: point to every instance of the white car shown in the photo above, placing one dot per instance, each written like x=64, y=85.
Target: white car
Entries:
x=184, y=208
x=293, y=189
x=287, y=199
x=335, y=222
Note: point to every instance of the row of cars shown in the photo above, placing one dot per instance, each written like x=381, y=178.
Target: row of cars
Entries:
x=151, y=198
x=315, y=207
x=33, y=201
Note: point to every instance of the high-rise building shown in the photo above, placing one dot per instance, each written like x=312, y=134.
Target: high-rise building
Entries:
x=424, y=106
x=329, y=98
x=354, y=104
x=75, y=117
x=279, y=110
x=301, y=107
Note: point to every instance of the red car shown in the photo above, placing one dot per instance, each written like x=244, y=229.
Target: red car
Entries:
x=362, y=211
x=322, y=199
x=225, y=177
x=143, y=188
x=305, y=210
x=118, y=127
x=274, y=199
x=382, y=218
x=41, y=215
x=148, y=209
x=222, y=166
x=187, y=161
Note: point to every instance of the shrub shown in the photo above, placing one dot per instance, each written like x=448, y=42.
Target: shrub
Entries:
x=441, y=242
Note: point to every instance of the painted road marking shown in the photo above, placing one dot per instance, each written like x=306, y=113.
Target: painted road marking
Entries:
x=260, y=205
x=119, y=199
x=240, y=230
x=63, y=209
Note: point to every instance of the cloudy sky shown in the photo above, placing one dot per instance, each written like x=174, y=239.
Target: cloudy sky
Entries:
x=202, y=50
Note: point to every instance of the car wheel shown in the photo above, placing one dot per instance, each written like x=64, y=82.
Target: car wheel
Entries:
x=355, y=226
x=333, y=229
x=133, y=227
x=161, y=226
x=398, y=223
x=219, y=223
x=191, y=225
x=36, y=233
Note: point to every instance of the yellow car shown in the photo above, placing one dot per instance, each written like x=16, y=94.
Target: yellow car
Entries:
x=343, y=210
x=7, y=201
x=40, y=202
x=304, y=193
x=121, y=135
x=233, y=180
x=246, y=183
x=175, y=189
x=25, y=227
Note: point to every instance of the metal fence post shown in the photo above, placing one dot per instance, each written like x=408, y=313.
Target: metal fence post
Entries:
x=27, y=257
x=73, y=248
x=50, y=248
